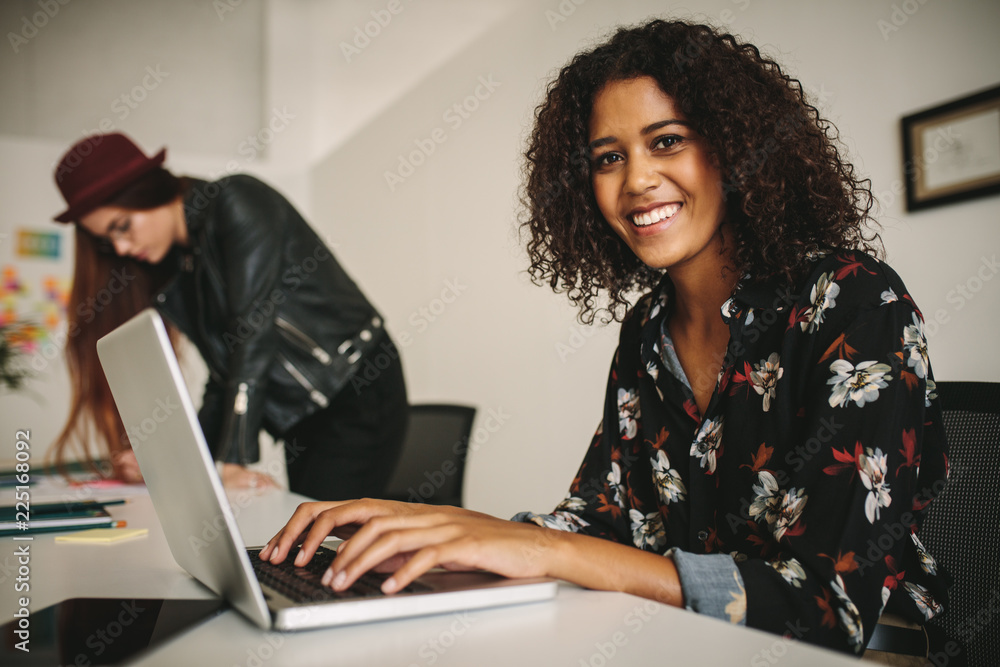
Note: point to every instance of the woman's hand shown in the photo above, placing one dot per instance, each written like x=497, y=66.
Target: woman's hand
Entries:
x=409, y=539
x=126, y=467
x=235, y=476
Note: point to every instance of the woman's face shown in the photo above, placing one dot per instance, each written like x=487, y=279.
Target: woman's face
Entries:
x=655, y=181
x=143, y=235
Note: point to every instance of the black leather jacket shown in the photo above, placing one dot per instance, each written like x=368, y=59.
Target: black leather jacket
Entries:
x=280, y=325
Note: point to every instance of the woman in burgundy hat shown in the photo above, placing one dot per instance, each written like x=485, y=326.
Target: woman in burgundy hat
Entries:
x=235, y=268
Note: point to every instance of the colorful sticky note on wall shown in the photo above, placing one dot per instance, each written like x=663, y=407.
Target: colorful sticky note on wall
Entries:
x=38, y=244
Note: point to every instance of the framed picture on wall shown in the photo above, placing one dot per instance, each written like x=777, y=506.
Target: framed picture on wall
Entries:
x=952, y=152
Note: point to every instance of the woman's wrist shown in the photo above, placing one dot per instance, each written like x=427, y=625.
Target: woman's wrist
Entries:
x=601, y=564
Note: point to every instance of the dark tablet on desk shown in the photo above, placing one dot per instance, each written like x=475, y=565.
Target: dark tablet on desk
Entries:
x=99, y=631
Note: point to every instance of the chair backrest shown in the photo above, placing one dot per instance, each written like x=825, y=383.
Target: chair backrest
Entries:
x=962, y=527
x=431, y=466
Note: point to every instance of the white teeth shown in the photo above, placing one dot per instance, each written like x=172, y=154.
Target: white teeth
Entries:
x=654, y=216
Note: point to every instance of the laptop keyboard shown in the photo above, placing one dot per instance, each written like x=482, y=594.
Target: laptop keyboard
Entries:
x=302, y=584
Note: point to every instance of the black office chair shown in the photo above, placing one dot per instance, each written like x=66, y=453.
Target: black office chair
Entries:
x=962, y=527
x=431, y=467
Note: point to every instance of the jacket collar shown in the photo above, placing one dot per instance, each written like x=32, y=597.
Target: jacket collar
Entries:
x=197, y=202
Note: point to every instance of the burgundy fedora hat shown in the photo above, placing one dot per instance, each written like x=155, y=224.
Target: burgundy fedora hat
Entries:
x=97, y=167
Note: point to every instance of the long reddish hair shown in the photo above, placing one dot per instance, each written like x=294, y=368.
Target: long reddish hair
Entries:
x=107, y=291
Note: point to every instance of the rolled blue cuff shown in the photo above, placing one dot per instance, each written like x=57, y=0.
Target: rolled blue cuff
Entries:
x=712, y=585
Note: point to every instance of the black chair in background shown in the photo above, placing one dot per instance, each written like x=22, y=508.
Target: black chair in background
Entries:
x=431, y=467
x=962, y=526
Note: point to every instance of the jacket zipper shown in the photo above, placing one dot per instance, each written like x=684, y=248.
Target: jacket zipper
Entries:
x=321, y=355
x=317, y=396
x=240, y=409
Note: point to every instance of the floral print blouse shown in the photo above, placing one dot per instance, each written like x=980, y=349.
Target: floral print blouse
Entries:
x=798, y=494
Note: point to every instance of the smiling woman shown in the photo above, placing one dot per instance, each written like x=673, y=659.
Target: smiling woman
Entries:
x=280, y=325
x=770, y=411
x=640, y=141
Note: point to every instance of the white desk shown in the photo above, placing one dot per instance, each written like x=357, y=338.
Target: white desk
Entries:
x=579, y=628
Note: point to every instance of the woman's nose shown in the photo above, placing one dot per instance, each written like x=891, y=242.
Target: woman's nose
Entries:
x=640, y=176
x=121, y=246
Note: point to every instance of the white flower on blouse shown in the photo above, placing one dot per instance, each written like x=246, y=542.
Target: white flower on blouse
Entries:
x=558, y=520
x=728, y=307
x=628, y=412
x=823, y=297
x=647, y=529
x=766, y=498
x=872, y=467
x=792, y=505
x=572, y=504
x=615, y=482
x=660, y=303
x=915, y=347
x=668, y=481
x=930, y=393
x=565, y=521
x=779, y=509
x=927, y=562
x=791, y=571
x=889, y=296
x=706, y=445
x=651, y=368
x=859, y=383
x=848, y=614
x=764, y=378
x=926, y=603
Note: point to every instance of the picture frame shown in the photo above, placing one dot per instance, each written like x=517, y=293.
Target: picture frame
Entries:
x=951, y=152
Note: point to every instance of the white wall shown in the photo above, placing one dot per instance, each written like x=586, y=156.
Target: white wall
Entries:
x=497, y=345
x=452, y=222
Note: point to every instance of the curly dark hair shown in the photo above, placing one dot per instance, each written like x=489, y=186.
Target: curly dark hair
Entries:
x=788, y=190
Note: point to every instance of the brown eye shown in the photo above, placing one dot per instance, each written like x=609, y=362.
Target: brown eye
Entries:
x=606, y=159
x=667, y=141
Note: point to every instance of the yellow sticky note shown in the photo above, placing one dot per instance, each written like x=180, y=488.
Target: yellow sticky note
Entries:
x=103, y=535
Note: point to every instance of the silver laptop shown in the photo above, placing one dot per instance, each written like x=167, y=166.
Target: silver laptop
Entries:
x=153, y=401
